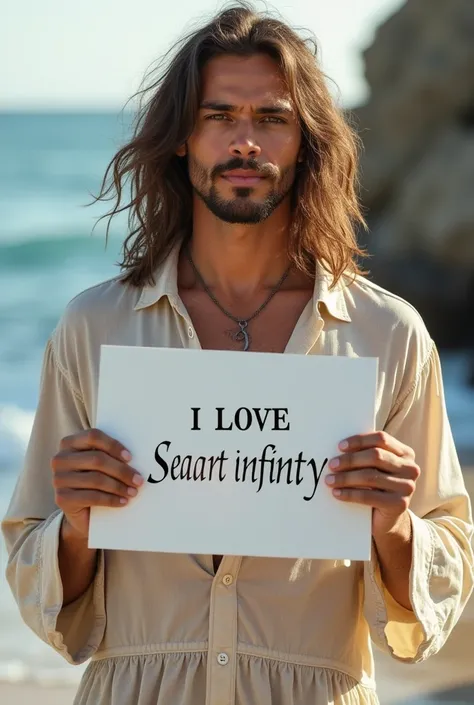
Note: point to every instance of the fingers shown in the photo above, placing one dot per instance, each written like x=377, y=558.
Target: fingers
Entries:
x=371, y=479
x=67, y=460
x=376, y=439
x=91, y=469
x=95, y=439
x=73, y=500
x=375, y=469
x=378, y=499
x=92, y=480
x=379, y=458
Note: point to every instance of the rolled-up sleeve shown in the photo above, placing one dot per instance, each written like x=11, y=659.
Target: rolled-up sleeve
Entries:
x=442, y=572
x=31, y=527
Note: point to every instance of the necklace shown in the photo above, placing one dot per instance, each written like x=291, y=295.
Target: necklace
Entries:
x=241, y=334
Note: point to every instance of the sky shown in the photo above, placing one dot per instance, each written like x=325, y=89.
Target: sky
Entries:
x=94, y=54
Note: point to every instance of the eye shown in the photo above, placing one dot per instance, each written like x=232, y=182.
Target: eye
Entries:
x=274, y=120
x=219, y=117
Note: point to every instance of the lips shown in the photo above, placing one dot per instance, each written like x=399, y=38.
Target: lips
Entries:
x=239, y=177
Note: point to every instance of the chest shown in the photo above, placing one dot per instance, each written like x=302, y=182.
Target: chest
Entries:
x=268, y=331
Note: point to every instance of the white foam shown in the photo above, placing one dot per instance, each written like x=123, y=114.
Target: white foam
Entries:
x=15, y=431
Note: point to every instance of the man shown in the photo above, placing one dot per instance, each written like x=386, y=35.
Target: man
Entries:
x=244, y=197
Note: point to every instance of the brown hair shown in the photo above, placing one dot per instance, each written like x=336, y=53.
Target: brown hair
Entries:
x=160, y=209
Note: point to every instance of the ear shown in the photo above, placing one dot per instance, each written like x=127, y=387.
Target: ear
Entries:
x=182, y=151
x=301, y=155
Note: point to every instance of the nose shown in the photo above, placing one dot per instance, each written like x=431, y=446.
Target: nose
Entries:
x=244, y=145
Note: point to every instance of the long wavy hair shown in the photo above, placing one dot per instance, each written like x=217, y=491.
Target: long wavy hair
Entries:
x=325, y=207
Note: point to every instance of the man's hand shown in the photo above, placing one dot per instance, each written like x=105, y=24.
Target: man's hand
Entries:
x=377, y=470
x=91, y=470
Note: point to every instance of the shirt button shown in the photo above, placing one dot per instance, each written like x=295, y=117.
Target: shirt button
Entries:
x=227, y=579
x=190, y=332
x=223, y=659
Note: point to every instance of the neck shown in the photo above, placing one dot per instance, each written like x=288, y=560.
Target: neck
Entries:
x=239, y=260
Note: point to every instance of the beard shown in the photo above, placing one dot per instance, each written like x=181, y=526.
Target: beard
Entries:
x=241, y=209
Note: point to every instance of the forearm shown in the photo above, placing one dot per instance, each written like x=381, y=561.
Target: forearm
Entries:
x=394, y=551
x=77, y=564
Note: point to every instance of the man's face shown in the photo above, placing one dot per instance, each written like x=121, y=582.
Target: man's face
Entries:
x=243, y=151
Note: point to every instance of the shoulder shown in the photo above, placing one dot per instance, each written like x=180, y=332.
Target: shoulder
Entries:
x=105, y=298
x=394, y=332
x=91, y=315
x=389, y=318
x=392, y=309
x=98, y=304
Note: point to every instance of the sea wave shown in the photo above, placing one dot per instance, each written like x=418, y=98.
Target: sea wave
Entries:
x=53, y=251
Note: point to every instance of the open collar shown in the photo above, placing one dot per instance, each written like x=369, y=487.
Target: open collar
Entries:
x=166, y=285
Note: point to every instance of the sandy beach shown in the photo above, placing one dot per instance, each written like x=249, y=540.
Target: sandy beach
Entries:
x=452, y=670
x=12, y=694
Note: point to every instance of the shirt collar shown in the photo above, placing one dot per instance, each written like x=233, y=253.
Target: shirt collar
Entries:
x=166, y=285
x=333, y=299
x=165, y=282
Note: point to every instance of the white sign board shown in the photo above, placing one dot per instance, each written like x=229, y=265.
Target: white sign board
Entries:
x=234, y=447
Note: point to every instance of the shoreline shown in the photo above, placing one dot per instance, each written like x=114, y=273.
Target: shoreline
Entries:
x=451, y=668
x=21, y=693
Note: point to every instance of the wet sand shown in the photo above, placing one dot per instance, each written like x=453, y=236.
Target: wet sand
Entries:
x=451, y=671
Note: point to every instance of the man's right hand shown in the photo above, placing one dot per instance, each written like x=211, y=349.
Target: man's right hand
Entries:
x=91, y=470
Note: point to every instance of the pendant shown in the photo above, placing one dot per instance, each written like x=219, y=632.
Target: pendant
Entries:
x=242, y=335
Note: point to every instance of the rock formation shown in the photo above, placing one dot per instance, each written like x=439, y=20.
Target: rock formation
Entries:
x=417, y=165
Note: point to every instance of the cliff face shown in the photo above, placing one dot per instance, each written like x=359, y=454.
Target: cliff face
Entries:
x=417, y=167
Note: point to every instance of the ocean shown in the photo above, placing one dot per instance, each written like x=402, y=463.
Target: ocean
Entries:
x=50, y=165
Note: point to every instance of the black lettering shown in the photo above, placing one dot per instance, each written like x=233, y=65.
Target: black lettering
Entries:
x=280, y=417
x=200, y=475
x=174, y=465
x=195, y=426
x=222, y=458
x=185, y=474
x=162, y=463
x=281, y=466
x=315, y=476
x=247, y=463
x=260, y=421
x=238, y=421
x=220, y=427
x=237, y=464
x=212, y=461
x=263, y=460
x=299, y=461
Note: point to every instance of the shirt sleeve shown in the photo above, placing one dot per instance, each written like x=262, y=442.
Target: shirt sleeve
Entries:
x=442, y=573
x=32, y=524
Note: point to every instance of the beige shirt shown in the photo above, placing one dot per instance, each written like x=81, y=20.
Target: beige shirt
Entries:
x=164, y=629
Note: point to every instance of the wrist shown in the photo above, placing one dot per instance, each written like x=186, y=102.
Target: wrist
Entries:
x=71, y=536
x=77, y=562
x=398, y=531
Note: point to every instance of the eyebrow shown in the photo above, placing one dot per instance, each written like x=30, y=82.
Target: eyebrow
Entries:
x=276, y=109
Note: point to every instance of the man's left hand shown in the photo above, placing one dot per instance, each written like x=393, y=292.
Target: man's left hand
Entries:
x=376, y=470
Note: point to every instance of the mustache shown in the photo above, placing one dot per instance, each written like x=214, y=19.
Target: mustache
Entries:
x=268, y=170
